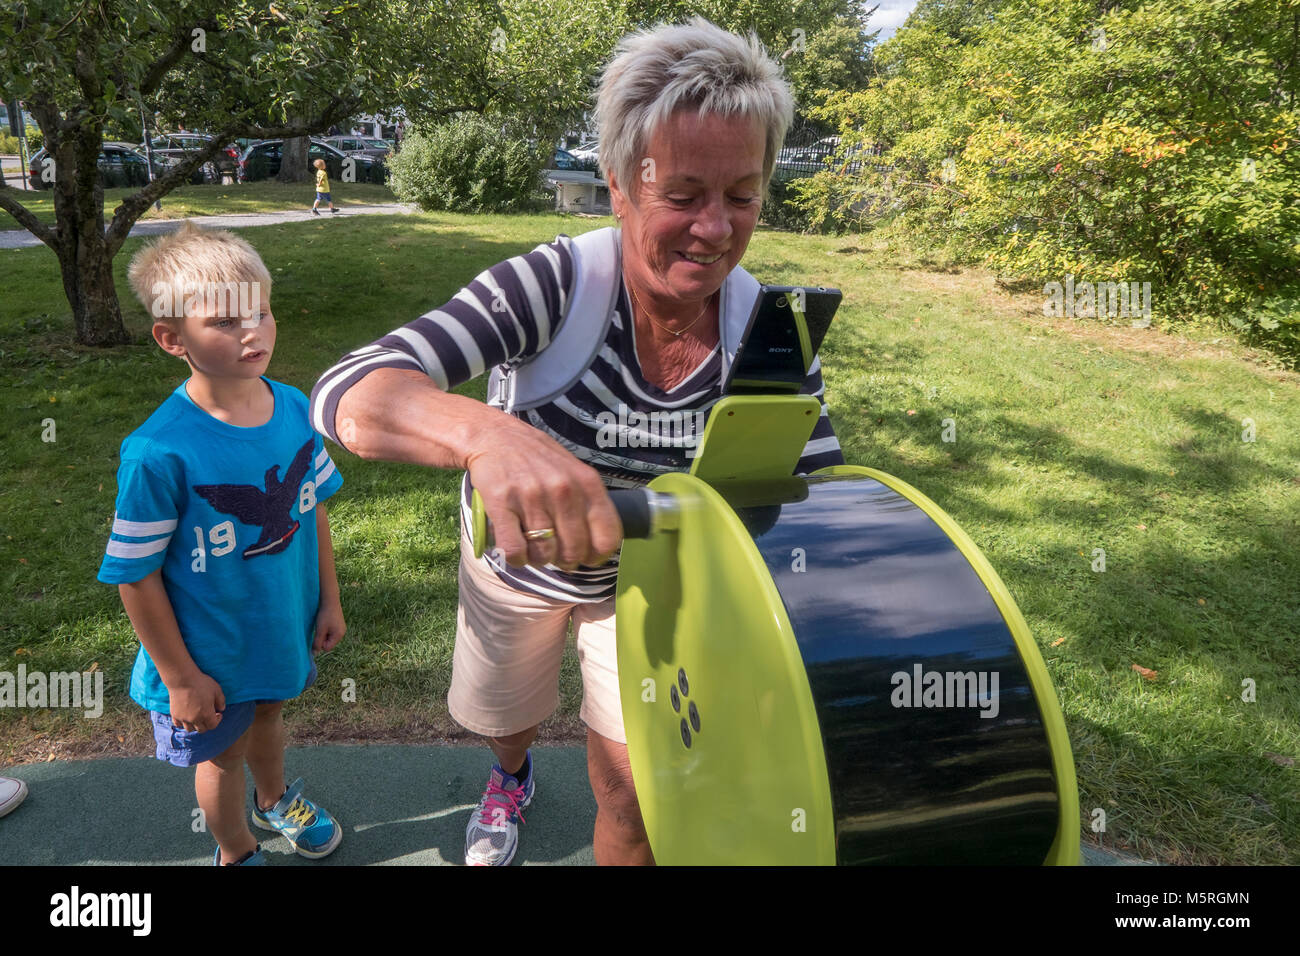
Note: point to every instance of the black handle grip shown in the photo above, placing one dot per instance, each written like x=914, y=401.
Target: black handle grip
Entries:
x=633, y=507
x=639, y=516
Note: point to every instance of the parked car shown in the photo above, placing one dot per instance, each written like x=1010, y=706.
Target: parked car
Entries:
x=588, y=152
x=262, y=161
x=176, y=147
x=563, y=159
x=120, y=164
x=359, y=145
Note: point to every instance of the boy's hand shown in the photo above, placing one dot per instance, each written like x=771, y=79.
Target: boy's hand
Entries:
x=196, y=705
x=329, y=626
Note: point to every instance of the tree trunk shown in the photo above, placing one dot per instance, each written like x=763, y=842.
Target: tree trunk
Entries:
x=88, y=282
x=293, y=160
x=85, y=259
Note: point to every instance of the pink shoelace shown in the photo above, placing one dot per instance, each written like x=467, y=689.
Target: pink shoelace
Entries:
x=499, y=803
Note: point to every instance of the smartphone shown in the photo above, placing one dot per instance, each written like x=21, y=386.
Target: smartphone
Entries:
x=784, y=333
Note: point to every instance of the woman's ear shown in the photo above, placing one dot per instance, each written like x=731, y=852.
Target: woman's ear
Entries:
x=615, y=196
x=618, y=202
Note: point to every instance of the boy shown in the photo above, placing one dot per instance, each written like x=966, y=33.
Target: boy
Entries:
x=220, y=544
x=322, y=188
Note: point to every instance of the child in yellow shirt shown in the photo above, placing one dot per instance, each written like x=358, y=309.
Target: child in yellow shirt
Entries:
x=322, y=188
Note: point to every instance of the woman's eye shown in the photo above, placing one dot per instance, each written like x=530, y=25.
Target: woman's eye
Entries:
x=743, y=200
x=224, y=323
x=679, y=200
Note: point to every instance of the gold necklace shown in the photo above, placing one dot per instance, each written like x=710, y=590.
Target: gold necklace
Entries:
x=647, y=314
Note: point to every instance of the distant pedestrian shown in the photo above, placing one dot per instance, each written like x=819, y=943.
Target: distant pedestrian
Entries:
x=322, y=188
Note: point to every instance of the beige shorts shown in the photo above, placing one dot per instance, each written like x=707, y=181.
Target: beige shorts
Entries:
x=505, y=673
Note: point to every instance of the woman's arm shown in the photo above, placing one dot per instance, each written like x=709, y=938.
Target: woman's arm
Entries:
x=507, y=313
x=527, y=480
x=392, y=401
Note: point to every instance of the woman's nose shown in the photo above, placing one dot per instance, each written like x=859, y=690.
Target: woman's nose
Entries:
x=713, y=224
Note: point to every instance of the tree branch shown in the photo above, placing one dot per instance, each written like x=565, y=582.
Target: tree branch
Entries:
x=158, y=71
x=132, y=207
x=28, y=221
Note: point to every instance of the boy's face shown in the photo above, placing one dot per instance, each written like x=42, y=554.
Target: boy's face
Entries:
x=222, y=339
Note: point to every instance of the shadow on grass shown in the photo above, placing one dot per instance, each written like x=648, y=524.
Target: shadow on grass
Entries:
x=1242, y=809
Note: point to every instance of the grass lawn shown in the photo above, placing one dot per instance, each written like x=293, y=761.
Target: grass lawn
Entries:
x=1071, y=436
x=260, y=196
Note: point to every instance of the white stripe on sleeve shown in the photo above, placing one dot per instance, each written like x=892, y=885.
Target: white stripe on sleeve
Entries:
x=141, y=529
x=124, y=549
x=322, y=476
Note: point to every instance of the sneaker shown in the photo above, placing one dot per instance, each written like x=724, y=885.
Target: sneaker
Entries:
x=311, y=830
x=257, y=859
x=315, y=212
x=493, y=832
x=12, y=793
x=333, y=210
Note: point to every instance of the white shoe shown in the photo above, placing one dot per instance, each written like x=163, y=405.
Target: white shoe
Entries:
x=493, y=832
x=12, y=793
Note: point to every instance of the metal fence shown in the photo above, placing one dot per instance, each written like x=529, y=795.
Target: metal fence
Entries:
x=808, y=150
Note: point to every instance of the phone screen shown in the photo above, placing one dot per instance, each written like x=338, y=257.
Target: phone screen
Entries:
x=783, y=336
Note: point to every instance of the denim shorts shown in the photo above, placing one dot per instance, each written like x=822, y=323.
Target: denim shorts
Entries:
x=323, y=197
x=187, y=748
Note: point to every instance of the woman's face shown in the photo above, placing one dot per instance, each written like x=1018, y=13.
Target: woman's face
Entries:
x=697, y=195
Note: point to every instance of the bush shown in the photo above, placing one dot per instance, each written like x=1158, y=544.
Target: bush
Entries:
x=829, y=202
x=1274, y=323
x=781, y=211
x=1126, y=159
x=9, y=142
x=466, y=165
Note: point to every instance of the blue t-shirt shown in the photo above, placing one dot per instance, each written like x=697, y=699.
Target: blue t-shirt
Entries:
x=227, y=513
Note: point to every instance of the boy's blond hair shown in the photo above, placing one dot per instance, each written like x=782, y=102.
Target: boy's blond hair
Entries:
x=167, y=273
x=319, y=163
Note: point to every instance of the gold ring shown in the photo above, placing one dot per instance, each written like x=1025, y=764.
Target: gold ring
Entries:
x=542, y=534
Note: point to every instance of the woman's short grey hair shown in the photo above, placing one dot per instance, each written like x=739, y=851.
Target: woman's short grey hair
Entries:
x=696, y=66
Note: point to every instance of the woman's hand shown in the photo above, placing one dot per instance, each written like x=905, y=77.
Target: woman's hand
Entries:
x=529, y=482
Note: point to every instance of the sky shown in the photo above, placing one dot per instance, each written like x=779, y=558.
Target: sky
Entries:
x=889, y=17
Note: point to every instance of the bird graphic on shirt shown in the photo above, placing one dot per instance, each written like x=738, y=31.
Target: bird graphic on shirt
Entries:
x=268, y=509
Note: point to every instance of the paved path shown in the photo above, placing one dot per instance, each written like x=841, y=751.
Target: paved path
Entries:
x=20, y=238
x=399, y=805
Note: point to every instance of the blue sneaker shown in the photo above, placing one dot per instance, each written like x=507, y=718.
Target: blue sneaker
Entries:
x=257, y=859
x=493, y=832
x=311, y=830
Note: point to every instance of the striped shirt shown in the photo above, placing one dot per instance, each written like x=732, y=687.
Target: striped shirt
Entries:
x=505, y=316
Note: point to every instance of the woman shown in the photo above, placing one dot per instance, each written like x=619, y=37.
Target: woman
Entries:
x=690, y=121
